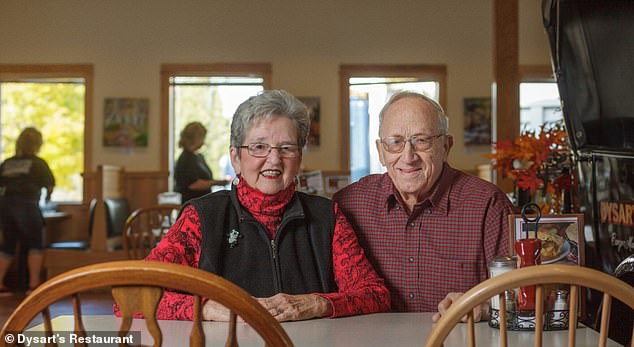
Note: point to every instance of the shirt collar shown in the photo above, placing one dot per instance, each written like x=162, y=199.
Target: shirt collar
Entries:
x=438, y=198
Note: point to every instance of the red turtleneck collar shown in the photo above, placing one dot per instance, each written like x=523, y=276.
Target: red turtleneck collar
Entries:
x=265, y=208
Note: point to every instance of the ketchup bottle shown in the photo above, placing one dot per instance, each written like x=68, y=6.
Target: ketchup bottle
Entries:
x=528, y=254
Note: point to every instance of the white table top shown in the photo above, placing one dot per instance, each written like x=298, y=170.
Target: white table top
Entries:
x=383, y=329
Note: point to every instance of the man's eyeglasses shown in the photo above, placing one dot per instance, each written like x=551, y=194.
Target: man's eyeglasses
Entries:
x=262, y=150
x=396, y=144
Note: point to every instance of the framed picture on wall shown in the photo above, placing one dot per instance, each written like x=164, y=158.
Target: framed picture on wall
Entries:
x=126, y=122
x=561, y=235
x=477, y=121
x=313, y=104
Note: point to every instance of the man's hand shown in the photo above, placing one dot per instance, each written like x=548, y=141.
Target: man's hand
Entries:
x=215, y=311
x=285, y=307
x=480, y=312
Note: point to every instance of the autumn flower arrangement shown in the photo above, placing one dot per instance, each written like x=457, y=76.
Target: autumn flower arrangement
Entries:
x=537, y=161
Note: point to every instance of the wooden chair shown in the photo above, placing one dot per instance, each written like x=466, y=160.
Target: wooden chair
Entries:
x=79, y=244
x=540, y=275
x=137, y=287
x=145, y=227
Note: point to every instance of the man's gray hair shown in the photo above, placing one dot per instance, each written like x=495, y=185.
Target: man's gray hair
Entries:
x=263, y=106
x=443, y=120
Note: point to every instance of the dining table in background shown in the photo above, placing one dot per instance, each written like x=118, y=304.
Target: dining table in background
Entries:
x=55, y=221
x=380, y=329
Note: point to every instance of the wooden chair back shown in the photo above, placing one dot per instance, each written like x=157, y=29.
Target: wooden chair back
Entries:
x=145, y=227
x=137, y=287
x=108, y=184
x=540, y=276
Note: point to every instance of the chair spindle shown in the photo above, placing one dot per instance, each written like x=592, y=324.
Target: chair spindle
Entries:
x=605, y=319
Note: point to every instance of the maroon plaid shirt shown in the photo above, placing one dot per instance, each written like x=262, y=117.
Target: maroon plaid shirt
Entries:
x=443, y=246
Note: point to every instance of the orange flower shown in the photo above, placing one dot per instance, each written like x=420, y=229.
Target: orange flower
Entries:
x=535, y=160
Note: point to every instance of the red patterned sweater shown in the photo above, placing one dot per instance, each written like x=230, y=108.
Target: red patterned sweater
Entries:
x=360, y=289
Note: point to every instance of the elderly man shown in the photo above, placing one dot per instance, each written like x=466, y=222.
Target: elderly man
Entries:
x=428, y=229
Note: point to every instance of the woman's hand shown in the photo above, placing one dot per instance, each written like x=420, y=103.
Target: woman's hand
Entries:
x=285, y=307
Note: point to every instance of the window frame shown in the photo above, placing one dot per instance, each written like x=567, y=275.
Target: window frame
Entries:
x=437, y=73
x=262, y=70
x=536, y=73
x=16, y=72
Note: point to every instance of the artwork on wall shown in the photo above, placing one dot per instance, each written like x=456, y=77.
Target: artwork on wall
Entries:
x=126, y=122
x=477, y=121
x=313, y=104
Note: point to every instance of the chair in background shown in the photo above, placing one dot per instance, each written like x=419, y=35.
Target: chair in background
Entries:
x=137, y=287
x=117, y=212
x=145, y=227
x=108, y=222
x=79, y=244
x=539, y=276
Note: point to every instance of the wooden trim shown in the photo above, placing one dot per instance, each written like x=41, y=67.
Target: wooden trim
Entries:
x=224, y=69
x=145, y=174
x=85, y=71
x=536, y=73
x=506, y=74
x=346, y=71
x=21, y=71
x=228, y=69
x=506, y=69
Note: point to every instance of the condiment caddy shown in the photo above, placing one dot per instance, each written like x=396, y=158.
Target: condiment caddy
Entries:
x=520, y=303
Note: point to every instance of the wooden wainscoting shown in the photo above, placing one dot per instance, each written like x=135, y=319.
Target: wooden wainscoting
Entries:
x=141, y=189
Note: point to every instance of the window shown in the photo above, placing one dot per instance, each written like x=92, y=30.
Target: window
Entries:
x=210, y=95
x=367, y=88
x=539, y=98
x=54, y=99
x=539, y=104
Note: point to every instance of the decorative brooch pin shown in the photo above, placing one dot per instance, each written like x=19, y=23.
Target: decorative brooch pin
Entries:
x=232, y=238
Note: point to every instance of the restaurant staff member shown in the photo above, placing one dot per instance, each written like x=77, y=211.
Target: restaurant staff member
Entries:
x=21, y=179
x=296, y=253
x=428, y=229
x=192, y=175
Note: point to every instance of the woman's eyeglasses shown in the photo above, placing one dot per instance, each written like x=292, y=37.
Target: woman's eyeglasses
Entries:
x=396, y=144
x=262, y=150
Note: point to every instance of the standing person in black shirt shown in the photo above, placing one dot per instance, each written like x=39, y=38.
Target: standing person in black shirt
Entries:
x=192, y=176
x=21, y=179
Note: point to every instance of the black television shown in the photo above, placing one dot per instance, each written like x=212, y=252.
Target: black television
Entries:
x=592, y=51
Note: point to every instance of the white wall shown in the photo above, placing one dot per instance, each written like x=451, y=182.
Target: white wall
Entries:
x=305, y=41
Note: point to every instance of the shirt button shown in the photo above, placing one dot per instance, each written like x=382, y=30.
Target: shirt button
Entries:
x=428, y=211
x=410, y=259
x=412, y=224
x=398, y=207
x=411, y=296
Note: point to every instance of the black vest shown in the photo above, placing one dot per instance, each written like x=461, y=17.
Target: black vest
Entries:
x=237, y=247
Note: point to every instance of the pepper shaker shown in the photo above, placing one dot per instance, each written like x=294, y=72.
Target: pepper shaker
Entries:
x=559, y=312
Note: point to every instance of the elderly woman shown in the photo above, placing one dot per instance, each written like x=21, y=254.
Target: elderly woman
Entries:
x=192, y=175
x=295, y=253
x=21, y=179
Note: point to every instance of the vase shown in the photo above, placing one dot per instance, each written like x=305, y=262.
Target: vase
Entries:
x=548, y=203
x=522, y=197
